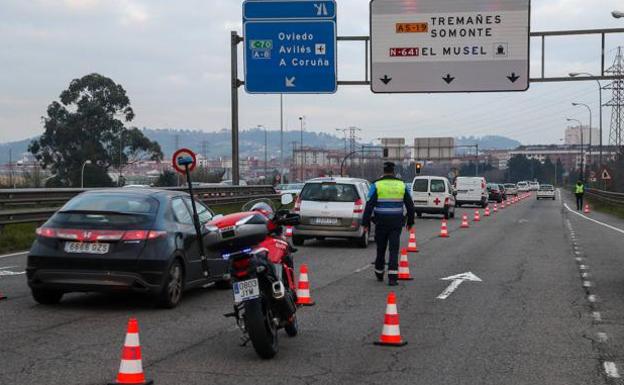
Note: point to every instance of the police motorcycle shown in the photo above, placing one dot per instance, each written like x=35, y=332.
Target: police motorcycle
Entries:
x=261, y=269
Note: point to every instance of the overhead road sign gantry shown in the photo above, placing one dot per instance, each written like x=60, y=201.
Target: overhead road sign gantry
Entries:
x=449, y=45
x=290, y=46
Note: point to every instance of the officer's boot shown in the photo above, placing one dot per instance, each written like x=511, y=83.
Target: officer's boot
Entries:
x=392, y=280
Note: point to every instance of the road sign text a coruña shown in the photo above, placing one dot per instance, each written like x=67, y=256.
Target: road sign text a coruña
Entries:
x=290, y=46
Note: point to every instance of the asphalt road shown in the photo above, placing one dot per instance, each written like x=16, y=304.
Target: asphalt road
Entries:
x=534, y=319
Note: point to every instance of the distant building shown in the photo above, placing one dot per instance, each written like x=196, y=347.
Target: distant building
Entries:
x=573, y=135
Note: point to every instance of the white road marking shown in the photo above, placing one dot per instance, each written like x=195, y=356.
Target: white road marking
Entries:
x=457, y=280
x=584, y=275
x=587, y=284
x=597, y=316
x=602, y=337
x=6, y=273
x=361, y=269
x=593, y=220
x=611, y=369
x=583, y=267
x=592, y=298
x=14, y=254
x=579, y=259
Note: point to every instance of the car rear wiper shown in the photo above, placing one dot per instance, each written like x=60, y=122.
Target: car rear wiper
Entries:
x=100, y=212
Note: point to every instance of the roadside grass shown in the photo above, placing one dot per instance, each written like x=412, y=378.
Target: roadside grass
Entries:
x=19, y=237
x=606, y=208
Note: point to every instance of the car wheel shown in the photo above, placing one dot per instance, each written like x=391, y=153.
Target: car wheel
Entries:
x=171, y=293
x=47, y=297
x=362, y=242
x=298, y=241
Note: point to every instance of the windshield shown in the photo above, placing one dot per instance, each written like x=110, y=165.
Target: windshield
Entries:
x=107, y=211
x=421, y=185
x=329, y=192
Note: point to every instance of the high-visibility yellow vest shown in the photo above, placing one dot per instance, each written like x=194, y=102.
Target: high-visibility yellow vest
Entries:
x=580, y=189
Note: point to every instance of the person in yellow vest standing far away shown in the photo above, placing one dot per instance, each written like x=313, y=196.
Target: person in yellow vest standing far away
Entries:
x=579, y=191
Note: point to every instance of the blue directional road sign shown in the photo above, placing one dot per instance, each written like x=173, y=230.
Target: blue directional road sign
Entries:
x=290, y=46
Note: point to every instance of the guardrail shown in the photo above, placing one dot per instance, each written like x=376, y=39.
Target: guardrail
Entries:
x=606, y=196
x=37, y=205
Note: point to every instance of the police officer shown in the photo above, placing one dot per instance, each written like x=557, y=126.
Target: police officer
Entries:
x=386, y=199
x=579, y=191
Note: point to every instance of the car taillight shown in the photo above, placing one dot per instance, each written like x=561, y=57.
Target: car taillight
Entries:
x=298, y=205
x=240, y=266
x=447, y=201
x=46, y=232
x=142, y=235
x=482, y=184
x=358, y=208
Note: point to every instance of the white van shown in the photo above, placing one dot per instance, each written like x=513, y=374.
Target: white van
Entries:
x=523, y=187
x=433, y=195
x=471, y=190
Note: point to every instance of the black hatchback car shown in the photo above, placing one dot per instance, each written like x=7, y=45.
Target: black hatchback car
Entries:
x=120, y=240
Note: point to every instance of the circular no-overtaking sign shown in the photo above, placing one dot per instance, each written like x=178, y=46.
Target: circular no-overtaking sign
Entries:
x=184, y=158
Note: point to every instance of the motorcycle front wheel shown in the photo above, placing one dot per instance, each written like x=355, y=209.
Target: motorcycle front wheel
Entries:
x=261, y=328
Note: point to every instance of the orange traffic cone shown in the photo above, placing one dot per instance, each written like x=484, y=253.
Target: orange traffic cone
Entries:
x=487, y=212
x=503, y=205
x=131, y=368
x=391, y=333
x=412, y=246
x=495, y=207
x=477, y=216
x=404, y=270
x=586, y=211
x=303, y=289
x=289, y=232
x=444, y=229
x=465, y=224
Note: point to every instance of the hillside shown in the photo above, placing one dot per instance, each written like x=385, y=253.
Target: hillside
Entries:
x=490, y=142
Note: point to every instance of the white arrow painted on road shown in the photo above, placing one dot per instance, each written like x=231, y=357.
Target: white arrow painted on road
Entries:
x=290, y=82
x=457, y=280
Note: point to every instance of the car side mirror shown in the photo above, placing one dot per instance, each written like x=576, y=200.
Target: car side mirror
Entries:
x=287, y=199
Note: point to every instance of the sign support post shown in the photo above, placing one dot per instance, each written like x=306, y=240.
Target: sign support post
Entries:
x=184, y=161
x=236, y=83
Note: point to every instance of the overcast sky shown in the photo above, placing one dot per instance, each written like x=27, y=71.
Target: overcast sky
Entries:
x=172, y=57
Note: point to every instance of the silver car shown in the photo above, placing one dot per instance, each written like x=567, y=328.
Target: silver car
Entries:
x=332, y=208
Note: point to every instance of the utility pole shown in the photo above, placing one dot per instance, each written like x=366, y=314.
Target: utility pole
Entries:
x=11, y=168
x=303, y=160
x=281, y=138
x=293, y=167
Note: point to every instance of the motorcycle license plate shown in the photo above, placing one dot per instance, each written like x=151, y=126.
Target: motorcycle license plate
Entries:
x=246, y=290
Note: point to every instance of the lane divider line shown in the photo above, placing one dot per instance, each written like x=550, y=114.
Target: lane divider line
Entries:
x=602, y=337
x=611, y=369
x=597, y=316
x=24, y=253
x=593, y=220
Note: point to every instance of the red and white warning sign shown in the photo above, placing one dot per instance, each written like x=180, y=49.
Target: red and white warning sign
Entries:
x=605, y=175
x=184, y=158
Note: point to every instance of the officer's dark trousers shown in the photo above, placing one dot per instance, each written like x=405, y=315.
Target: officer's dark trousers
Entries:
x=579, y=202
x=388, y=236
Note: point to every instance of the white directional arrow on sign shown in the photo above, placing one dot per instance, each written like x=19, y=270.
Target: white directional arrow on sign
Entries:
x=457, y=280
x=290, y=82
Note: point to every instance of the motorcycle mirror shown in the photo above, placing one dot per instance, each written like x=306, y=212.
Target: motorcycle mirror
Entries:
x=287, y=199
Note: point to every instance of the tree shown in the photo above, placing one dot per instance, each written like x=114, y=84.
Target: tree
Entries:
x=167, y=179
x=88, y=124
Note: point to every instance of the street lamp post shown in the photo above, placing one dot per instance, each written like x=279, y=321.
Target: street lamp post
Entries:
x=582, y=145
x=266, y=144
x=86, y=162
x=303, y=160
x=589, y=142
x=575, y=74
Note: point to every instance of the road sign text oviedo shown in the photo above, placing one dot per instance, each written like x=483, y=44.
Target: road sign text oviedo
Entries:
x=290, y=46
x=449, y=45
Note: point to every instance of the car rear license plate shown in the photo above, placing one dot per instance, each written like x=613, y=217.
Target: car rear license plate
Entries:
x=246, y=290
x=421, y=203
x=325, y=221
x=86, y=248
